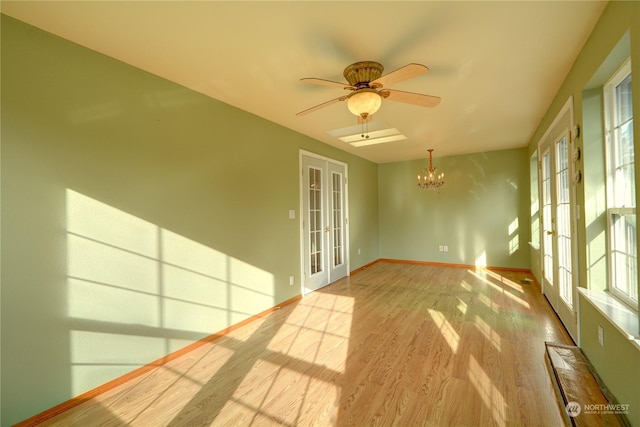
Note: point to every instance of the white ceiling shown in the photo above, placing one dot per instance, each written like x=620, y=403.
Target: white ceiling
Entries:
x=496, y=65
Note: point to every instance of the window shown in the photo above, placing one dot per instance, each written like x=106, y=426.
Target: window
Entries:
x=535, y=202
x=621, y=190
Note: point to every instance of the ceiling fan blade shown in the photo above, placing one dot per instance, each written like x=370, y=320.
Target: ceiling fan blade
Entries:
x=410, y=97
x=319, y=106
x=329, y=83
x=403, y=73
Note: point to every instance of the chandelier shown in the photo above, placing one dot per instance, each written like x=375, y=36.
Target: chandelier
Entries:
x=429, y=178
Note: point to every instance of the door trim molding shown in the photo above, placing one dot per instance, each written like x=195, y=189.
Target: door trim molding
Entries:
x=301, y=154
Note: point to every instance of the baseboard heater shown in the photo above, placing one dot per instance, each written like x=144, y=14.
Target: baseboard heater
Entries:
x=584, y=400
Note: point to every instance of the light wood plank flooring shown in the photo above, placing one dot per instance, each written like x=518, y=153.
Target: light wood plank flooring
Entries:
x=395, y=344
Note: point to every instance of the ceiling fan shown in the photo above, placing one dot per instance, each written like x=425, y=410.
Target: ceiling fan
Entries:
x=368, y=88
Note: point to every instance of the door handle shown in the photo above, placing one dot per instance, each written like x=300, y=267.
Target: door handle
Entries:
x=326, y=229
x=551, y=232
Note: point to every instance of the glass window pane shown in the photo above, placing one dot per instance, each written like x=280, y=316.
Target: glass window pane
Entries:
x=623, y=100
x=315, y=220
x=535, y=203
x=621, y=184
x=563, y=219
x=624, y=254
x=546, y=218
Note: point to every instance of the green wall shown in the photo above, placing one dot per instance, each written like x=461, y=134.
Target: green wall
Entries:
x=137, y=217
x=481, y=213
x=617, y=361
x=615, y=37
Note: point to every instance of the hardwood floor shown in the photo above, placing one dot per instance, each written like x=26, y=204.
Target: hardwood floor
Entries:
x=395, y=344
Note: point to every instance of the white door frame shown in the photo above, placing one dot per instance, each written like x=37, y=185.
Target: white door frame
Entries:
x=566, y=313
x=307, y=154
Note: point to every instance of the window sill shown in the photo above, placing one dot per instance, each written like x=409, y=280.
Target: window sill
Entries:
x=535, y=246
x=623, y=318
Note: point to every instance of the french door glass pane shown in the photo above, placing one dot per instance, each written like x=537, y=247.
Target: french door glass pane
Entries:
x=547, y=238
x=315, y=220
x=338, y=248
x=563, y=218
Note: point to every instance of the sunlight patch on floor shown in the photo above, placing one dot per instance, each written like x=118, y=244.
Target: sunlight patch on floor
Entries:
x=446, y=330
x=505, y=281
x=494, y=306
x=466, y=286
x=490, y=395
x=334, y=314
x=498, y=289
x=492, y=336
x=510, y=295
x=462, y=306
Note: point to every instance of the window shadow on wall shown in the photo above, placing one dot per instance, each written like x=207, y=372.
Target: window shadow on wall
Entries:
x=137, y=292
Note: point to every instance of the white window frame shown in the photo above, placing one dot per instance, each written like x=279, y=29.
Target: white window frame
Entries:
x=613, y=208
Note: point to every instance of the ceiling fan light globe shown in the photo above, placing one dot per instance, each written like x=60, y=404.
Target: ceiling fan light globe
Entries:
x=364, y=101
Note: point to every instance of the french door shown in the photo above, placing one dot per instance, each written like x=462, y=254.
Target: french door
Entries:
x=549, y=285
x=324, y=224
x=559, y=282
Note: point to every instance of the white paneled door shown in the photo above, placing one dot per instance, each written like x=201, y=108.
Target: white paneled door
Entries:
x=324, y=224
x=559, y=282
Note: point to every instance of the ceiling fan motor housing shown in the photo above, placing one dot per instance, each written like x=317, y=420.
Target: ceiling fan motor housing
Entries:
x=361, y=73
